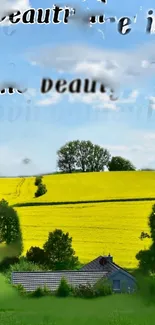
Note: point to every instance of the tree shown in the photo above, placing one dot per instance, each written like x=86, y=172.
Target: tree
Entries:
x=67, y=156
x=83, y=156
x=92, y=158
x=10, y=231
x=151, y=224
x=118, y=163
x=60, y=253
x=41, y=190
x=146, y=258
x=38, y=180
x=36, y=255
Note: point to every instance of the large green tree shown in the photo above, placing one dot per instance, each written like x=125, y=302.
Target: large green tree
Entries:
x=10, y=231
x=59, y=251
x=67, y=156
x=83, y=156
x=118, y=163
x=146, y=258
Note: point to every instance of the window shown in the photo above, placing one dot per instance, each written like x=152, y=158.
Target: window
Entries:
x=116, y=284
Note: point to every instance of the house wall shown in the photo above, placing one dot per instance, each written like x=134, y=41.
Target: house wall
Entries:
x=127, y=283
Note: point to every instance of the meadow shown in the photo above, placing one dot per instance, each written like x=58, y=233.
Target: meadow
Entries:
x=127, y=310
x=96, y=228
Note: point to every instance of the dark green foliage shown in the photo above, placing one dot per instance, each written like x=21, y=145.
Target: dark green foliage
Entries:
x=146, y=258
x=144, y=235
x=36, y=255
x=64, y=289
x=84, y=291
x=67, y=157
x=91, y=158
x=103, y=288
x=7, y=262
x=38, y=180
x=10, y=231
x=41, y=190
x=38, y=293
x=21, y=290
x=151, y=223
x=82, y=156
x=33, y=204
x=100, y=289
x=60, y=253
x=120, y=164
x=23, y=266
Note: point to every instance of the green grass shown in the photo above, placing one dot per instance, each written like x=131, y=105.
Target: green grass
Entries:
x=117, y=309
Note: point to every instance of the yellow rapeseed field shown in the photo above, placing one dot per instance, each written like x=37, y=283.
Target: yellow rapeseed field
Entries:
x=95, y=228
x=78, y=187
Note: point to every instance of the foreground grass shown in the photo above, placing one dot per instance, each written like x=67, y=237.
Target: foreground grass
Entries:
x=117, y=309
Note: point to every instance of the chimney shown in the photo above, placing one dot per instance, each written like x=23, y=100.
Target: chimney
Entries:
x=109, y=258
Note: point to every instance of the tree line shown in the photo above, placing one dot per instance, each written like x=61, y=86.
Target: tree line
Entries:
x=84, y=156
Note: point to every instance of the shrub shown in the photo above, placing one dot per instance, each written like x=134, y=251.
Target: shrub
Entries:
x=36, y=255
x=41, y=190
x=103, y=288
x=21, y=289
x=38, y=293
x=84, y=291
x=47, y=291
x=24, y=266
x=38, y=180
x=7, y=262
x=64, y=289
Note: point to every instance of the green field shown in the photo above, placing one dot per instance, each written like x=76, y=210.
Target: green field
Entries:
x=117, y=309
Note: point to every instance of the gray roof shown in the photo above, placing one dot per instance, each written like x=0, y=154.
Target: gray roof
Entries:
x=96, y=266
x=110, y=268
x=33, y=280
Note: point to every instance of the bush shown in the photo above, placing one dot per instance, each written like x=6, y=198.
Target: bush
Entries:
x=38, y=180
x=38, y=293
x=24, y=266
x=36, y=255
x=7, y=262
x=41, y=190
x=103, y=288
x=64, y=289
x=84, y=291
x=21, y=289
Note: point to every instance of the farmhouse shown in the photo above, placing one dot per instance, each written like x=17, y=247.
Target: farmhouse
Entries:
x=101, y=267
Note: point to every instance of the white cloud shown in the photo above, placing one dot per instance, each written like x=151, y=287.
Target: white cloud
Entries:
x=7, y=7
x=152, y=103
x=139, y=148
x=102, y=100
x=112, y=67
x=53, y=99
x=96, y=100
x=31, y=92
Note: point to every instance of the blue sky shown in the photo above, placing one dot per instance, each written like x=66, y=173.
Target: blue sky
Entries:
x=35, y=126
